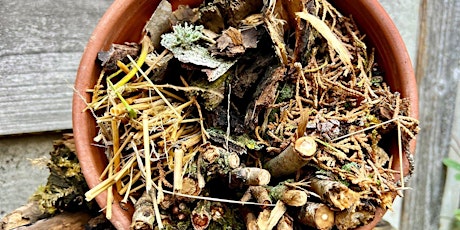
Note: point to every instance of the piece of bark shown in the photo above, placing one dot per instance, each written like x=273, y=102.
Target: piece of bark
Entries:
x=184, y=13
x=235, y=11
x=316, y=215
x=250, y=67
x=250, y=176
x=22, y=216
x=211, y=18
x=159, y=22
x=334, y=193
x=264, y=95
x=303, y=37
x=117, y=52
x=99, y=223
x=293, y=158
x=65, y=220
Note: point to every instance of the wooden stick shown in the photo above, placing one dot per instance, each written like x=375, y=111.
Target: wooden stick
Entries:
x=334, y=193
x=201, y=216
x=316, y=215
x=286, y=223
x=178, y=157
x=249, y=218
x=251, y=176
x=144, y=214
x=349, y=220
x=259, y=193
x=292, y=158
x=148, y=173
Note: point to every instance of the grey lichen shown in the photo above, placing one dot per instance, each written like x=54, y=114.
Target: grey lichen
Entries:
x=183, y=43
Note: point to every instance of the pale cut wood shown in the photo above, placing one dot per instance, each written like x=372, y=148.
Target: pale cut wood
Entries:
x=437, y=73
x=41, y=43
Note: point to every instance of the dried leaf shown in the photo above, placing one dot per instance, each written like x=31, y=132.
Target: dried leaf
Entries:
x=326, y=32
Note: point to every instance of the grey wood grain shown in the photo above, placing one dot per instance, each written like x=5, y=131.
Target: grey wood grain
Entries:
x=41, y=43
x=438, y=72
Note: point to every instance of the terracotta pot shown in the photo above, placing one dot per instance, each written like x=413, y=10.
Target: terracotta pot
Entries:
x=123, y=22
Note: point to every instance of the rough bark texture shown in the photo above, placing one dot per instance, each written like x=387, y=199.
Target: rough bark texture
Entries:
x=437, y=73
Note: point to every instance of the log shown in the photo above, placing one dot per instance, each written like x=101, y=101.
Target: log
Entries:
x=294, y=157
x=334, y=193
x=316, y=215
x=251, y=176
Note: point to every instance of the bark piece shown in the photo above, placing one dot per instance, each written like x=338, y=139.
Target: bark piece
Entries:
x=159, y=22
x=235, y=11
x=117, y=52
x=264, y=96
x=22, y=216
x=334, y=193
x=184, y=14
x=294, y=157
x=211, y=18
x=316, y=215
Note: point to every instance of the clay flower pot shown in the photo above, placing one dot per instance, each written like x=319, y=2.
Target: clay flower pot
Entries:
x=124, y=21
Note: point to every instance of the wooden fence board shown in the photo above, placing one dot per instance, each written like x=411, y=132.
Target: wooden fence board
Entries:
x=438, y=74
x=41, y=43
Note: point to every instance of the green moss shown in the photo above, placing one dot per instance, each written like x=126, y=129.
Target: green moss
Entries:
x=66, y=185
x=285, y=93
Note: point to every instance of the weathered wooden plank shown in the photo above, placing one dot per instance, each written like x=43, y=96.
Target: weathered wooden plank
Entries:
x=41, y=43
x=451, y=195
x=438, y=72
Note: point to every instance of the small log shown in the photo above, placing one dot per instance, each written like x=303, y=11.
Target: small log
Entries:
x=316, y=215
x=65, y=220
x=268, y=220
x=292, y=158
x=217, y=161
x=249, y=218
x=334, y=193
x=289, y=196
x=286, y=223
x=350, y=220
x=144, y=214
x=251, y=176
x=22, y=216
x=259, y=193
x=201, y=215
x=294, y=198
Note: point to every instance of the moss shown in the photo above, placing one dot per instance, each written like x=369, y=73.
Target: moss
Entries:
x=285, y=93
x=66, y=185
